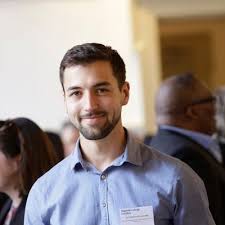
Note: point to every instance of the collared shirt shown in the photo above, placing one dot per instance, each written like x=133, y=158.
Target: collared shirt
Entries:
x=203, y=139
x=76, y=193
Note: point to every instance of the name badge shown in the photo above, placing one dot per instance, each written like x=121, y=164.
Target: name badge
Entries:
x=137, y=216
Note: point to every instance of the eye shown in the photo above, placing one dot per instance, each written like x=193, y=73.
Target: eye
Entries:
x=75, y=93
x=101, y=91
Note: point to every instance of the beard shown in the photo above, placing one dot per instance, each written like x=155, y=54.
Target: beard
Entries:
x=97, y=132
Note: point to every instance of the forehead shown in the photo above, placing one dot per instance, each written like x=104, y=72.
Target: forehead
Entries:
x=89, y=74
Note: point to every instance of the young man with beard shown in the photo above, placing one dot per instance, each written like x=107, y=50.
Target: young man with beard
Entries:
x=110, y=178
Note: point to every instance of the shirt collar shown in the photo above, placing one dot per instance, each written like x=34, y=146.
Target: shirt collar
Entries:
x=131, y=154
x=76, y=156
x=202, y=139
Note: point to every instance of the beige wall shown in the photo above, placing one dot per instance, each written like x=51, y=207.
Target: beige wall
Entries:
x=214, y=27
x=146, y=38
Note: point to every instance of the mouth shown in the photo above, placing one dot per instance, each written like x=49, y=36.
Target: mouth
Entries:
x=92, y=115
x=93, y=118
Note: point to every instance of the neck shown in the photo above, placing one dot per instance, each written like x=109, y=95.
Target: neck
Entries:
x=14, y=195
x=101, y=153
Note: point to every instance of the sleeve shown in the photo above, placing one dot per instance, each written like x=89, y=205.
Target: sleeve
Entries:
x=33, y=208
x=191, y=201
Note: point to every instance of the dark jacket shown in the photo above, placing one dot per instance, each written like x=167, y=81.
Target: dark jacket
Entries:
x=201, y=161
x=19, y=216
x=221, y=144
x=3, y=199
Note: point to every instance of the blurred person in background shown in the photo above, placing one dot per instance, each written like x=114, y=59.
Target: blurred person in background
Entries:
x=69, y=135
x=185, y=110
x=26, y=153
x=57, y=144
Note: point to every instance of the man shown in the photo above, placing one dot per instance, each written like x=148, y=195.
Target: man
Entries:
x=185, y=117
x=110, y=178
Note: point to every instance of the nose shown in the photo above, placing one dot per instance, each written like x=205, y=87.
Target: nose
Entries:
x=90, y=101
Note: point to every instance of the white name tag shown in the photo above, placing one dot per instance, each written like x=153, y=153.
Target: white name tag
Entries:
x=137, y=216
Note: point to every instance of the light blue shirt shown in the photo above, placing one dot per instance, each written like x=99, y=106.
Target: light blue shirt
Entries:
x=75, y=193
x=203, y=139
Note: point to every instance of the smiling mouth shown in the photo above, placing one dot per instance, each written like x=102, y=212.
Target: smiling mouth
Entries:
x=91, y=116
x=93, y=120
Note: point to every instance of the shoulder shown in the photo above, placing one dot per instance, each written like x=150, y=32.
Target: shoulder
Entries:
x=54, y=177
x=167, y=166
x=176, y=144
x=156, y=162
x=170, y=137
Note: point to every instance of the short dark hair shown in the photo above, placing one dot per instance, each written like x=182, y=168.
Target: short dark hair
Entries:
x=92, y=52
x=23, y=136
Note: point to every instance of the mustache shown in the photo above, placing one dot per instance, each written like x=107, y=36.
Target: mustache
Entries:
x=92, y=114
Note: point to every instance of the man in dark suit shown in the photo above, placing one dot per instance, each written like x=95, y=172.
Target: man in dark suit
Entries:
x=185, y=117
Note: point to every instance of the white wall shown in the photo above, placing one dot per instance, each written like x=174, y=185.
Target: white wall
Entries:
x=34, y=35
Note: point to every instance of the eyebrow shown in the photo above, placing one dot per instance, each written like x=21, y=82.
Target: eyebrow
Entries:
x=104, y=83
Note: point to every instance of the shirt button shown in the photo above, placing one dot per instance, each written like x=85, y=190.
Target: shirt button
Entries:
x=103, y=177
x=104, y=205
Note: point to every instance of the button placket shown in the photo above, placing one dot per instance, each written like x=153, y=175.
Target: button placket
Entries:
x=103, y=176
x=104, y=197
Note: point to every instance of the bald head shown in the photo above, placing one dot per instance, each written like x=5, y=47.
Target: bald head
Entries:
x=174, y=97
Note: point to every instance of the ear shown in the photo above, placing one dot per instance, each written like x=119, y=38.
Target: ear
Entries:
x=192, y=112
x=125, y=90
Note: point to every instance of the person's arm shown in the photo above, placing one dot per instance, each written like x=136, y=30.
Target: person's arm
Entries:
x=33, y=208
x=190, y=197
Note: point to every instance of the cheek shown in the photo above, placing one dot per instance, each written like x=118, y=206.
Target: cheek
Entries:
x=4, y=164
x=115, y=109
x=8, y=166
x=72, y=108
x=73, y=114
x=113, y=102
x=211, y=111
x=6, y=169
